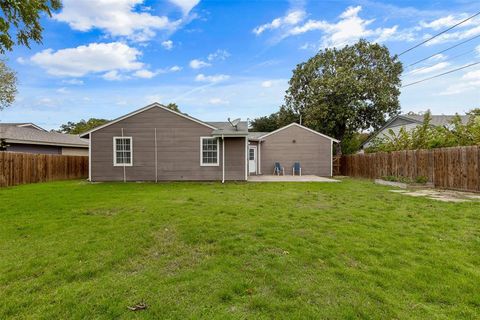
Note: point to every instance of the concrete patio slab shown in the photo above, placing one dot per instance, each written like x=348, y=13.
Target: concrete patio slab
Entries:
x=305, y=178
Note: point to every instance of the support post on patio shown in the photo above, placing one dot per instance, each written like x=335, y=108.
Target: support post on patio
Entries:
x=223, y=159
x=259, y=160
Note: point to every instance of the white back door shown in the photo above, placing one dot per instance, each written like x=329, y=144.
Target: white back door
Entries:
x=252, y=159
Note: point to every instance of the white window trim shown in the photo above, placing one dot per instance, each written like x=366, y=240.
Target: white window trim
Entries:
x=201, y=153
x=115, y=164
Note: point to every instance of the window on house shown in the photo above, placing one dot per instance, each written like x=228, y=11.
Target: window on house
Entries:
x=251, y=154
x=122, y=148
x=209, y=151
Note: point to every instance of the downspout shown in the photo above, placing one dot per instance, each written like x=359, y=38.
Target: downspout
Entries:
x=246, y=158
x=156, y=160
x=223, y=159
x=124, y=173
x=90, y=158
x=259, y=160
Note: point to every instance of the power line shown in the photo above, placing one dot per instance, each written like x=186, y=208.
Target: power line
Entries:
x=441, y=74
x=440, y=33
x=440, y=52
x=446, y=60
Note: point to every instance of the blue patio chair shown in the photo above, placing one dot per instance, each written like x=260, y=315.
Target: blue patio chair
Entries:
x=296, y=169
x=277, y=169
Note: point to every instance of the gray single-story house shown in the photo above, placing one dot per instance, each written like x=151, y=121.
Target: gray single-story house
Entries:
x=30, y=138
x=158, y=144
x=408, y=122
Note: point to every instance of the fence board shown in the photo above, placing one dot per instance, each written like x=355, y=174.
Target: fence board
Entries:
x=451, y=168
x=22, y=168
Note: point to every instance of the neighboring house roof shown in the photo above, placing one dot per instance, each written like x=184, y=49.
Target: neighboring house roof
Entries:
x=437, y=120
x=27, y=135
x=150, y=106
x=22, y=124
x=297, y=125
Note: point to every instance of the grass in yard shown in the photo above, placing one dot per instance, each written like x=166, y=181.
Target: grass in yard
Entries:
x=266, y=250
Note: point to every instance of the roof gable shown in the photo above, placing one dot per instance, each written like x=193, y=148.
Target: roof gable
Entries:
x=300, y=126
x=150, y=106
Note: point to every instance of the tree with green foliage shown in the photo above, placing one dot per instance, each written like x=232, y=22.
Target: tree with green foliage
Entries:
x=173, y=106
x=81, y=126
x=265, y=124
x=343, y=91
x=8, y=85
x=22, y=18
x=427, y=136
x=353, y=143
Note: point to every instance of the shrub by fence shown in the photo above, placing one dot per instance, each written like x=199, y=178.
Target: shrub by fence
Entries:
x=21, y=168
x=450, y=168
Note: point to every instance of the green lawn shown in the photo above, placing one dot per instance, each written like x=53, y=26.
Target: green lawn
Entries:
x=205, y=250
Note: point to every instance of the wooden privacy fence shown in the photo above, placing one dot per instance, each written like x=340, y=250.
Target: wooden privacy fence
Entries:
x=450, y=168
x=21, y=168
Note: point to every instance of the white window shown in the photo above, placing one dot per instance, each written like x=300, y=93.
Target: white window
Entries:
x=209, y=148
x=122, y=151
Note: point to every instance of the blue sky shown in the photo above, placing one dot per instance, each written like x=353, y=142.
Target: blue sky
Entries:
x=219, y=59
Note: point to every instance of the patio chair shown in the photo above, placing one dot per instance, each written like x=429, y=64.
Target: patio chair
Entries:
x=277, y=169
x=296, y=169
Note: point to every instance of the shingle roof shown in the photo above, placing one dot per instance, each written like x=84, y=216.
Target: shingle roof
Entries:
x=13, y=133
x=21, y=124
x=224, y=127
x=437, y=120
x=255, y=135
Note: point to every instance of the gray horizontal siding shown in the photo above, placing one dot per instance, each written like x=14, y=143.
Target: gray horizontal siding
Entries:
x=178, y=146
x=34, y=148
x=311, y=150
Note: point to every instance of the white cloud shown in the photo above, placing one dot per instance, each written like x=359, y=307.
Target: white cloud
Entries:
x=185, y=5
x=469, y=81
x=292, y=18
x=444, y=22
x=425, y=70
x=21, y=60
x=153, y=98
x=466, y=30
x=75, y=82
x=438, y=57
x=91, y=58
x=453, y=36
x=62, y=90
x=478, y=49
x=347, y=30
x=112, y=76
x=145, y=74
x=198, y=64
x=218, y=55
x=167, y=44
x=267, y=84
x=472, y=75
x=116, y=18
x=212, y=79
x=218, y=101
x=175, y=68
